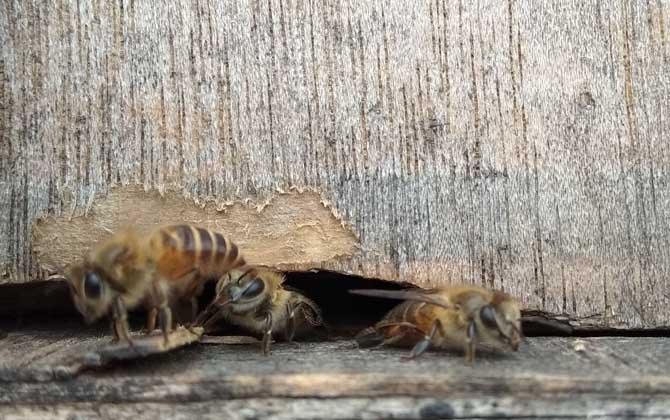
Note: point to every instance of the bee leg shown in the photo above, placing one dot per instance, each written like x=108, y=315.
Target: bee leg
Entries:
x=290, y=323
x=210, y=315
x=192, y=296
x=120, y=323
x=151, y=320
x=164, y=313
x=471, y=342
x=115, y=334
x=389, y=341
x=267, y=335
x=165, y=320
x=424, y=344
x=194, y=315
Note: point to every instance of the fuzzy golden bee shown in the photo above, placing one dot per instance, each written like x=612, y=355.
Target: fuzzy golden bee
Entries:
x=152, y=269
x=256, y=300
x=457, y=317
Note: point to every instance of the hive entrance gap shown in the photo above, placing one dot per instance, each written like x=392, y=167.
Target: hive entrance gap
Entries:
x=346, y=314
x=46, y=305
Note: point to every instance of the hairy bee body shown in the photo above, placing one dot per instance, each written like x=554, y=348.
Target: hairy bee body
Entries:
x=256, y=301
x=154, y=269
x=457, y=317
x=182, y=250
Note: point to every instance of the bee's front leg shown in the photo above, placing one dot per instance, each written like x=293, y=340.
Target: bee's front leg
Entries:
x=423, y=345
x=267, y=335
x=120, y=321
x=209, y=316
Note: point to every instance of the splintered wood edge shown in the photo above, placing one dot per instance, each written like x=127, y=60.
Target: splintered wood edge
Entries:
x=295, y=229
x=141, y=346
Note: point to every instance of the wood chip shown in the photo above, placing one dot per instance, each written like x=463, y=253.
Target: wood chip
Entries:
x=142, y=346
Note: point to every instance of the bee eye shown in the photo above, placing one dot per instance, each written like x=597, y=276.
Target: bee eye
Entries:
x=251, y=289
x=488, y=316
x=254, y=288
x=92, y=285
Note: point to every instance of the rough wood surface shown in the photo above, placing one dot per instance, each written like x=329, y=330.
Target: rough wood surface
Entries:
x=519, y=144
x=548, y=378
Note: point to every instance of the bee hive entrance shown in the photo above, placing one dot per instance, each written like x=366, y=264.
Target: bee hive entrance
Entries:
x=346, y=314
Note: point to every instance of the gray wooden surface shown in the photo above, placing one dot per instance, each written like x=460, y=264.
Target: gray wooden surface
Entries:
x=549, y=378
x=519, y=144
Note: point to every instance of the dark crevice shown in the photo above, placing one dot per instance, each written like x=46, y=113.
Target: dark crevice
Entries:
x=47, y=304
x=345, y=313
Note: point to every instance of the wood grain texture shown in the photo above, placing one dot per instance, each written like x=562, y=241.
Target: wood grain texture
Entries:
x=470, y=408
x=515, y=144
x=548, y=378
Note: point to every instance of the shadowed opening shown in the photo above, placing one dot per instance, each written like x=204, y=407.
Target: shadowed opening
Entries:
x=346, y=314
x=46, y=305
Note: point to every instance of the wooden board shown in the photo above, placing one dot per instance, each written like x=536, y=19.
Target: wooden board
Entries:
x=67, y=360
x=548, y=378
x=518, y=144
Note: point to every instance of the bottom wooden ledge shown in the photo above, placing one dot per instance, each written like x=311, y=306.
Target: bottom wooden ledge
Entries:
x=548, y=378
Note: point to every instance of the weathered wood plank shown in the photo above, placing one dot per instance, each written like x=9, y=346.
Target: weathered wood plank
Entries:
x=548, y=378
x=357, y=408
x=517, y=144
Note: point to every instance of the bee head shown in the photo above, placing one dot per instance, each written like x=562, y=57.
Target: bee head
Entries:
x=90, y=292
x=243, y=290
x=501, y=321
x=91, y=282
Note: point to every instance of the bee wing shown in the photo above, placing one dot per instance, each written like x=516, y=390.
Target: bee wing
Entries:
x=418, y=295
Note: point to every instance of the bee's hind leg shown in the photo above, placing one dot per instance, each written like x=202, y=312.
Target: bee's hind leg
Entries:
x=423, y=345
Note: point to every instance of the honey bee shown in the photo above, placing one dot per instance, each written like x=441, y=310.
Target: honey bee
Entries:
x=154, y=270
x=255, y=300
x=456, y=317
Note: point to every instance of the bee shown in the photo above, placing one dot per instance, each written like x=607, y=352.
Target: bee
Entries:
x=133, y=268
x=256, y=300
x=456, y=317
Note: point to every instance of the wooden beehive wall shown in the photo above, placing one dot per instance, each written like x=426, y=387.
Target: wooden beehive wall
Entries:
x=517, y=144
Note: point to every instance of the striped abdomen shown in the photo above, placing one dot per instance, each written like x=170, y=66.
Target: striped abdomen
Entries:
x=187, y=248
x=418, y=314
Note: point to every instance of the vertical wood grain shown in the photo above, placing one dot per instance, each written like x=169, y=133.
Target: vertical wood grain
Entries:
x=514, y=144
